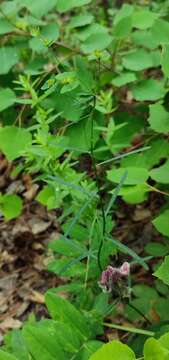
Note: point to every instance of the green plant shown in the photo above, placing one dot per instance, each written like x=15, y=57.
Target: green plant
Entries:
x=84, y=109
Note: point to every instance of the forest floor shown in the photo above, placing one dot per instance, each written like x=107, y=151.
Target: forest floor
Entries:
x=23, y=248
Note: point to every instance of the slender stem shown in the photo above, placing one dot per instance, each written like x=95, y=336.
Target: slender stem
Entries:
x=97, y=183
x=129, y=329
x=157, y=190
x=88, y=258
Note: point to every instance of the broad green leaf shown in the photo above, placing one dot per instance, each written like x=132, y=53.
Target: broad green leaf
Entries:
x=18, y=345
x=148, y=90
x=145, y=38
x=8, y=58
x=79, y=136
x=159, y=118
x=162, y=272
x=161, y=223
x=121, y=131
x=138, y=60
x=65, y=103
x=156, y=249
x=161, y=174
x=14, y=141
x=39, y=8
x=90, y=30
x=124, y=78
x=42, y=343
x=164, y=341
x=38, y=45
x=153, y=350
x=6, y=356
x=159, y=148
x=113, y=351
x=50, y=197
x=143, y=19
x=85, y=77
x=50, y=32
x=64, y=5
x=96, y=42
x=11, y=206
x=123, y=28
x=5, y=26
x=165, y=60
x=160, y=31
x=80, y=20
x=135, y=194
x=7, y=98
x=135, y=175
x=125, y=11
x=62, y=310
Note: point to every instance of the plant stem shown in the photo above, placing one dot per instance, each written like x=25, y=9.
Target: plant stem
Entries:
x=129, y=329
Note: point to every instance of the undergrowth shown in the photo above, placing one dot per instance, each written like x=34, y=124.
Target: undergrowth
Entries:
x=84, y=110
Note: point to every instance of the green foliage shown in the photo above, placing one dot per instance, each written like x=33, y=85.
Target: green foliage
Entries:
x=114, y=349
x=162, y=271
x=84, y=106
x=10, y=206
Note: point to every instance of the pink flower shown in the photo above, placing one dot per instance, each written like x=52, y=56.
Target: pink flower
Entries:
x=111, y=275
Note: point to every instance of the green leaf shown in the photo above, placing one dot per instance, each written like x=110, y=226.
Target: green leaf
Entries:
x=161, y=174
x=153, y=350
x=134, y=194
x=143, y=19
x=112, y=351
x=14, y=141
x=135, y=175
x=164, y=341
x=161, y=223
x=67, y=247
x=96, y=42
x=7, y=98
x=156, y=249
x=138, y=60
x=159, y=118
x=11, y=206
x=42, y=344
x=125, y=11
x=148, y=90
x=165, y=60
x=50, y=32
x=162, y=272
x=50, y=197
x=65, y=103
x=90, y=347
x=123, y=28
x=8, y=58
x=18, y=345
x=144, y=38
x=160, y=31
x=80, y=20
x=6, y=27
x=64, y=5
x=124, y=78
x=84, y=76
x=62, y=310
x=39, y=8
x=6, y=356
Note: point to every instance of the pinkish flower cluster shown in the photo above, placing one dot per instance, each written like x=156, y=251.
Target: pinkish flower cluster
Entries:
x=111, y=275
